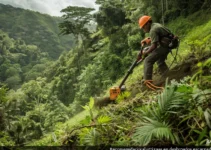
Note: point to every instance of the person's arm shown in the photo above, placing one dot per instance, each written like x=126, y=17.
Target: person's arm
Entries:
x=151, y=48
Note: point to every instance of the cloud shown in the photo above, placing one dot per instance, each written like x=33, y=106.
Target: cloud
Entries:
x=51, y=7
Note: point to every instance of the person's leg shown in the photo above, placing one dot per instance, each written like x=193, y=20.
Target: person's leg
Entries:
x=148, y=65
x=162, y=67
x=159, y=55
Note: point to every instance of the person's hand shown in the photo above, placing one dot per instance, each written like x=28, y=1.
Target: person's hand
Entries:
x=145, y=51
x=140, y=54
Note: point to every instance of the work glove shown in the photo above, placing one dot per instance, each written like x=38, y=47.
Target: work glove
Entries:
x=140, y=54
x=144, y=51
x=146, y=41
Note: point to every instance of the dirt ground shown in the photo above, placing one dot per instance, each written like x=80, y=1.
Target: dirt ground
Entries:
x=186, y=68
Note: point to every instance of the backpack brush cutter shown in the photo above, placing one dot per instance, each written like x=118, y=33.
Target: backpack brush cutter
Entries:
x=116, y=90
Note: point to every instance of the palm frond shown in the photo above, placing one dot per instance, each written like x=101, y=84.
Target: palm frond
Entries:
x=170, y=101
x=145, y=111
x=91, y=102
x=123, y=96
x=150, y=111
x=103, y=119
x=207, y=115
x=207, y=62
x=92, y=138
x=153, y=130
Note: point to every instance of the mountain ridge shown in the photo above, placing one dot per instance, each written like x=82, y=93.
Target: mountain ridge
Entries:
x=35, y=28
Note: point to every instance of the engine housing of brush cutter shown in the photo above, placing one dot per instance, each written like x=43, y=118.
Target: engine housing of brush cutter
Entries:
x=115, y=91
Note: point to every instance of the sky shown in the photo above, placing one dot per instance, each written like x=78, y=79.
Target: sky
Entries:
x=51, y=7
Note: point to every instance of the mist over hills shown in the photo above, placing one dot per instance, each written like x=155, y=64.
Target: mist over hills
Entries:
x=36, y=29
x=51, y=7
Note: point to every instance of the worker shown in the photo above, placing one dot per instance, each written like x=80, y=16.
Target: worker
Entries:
x=157, y=52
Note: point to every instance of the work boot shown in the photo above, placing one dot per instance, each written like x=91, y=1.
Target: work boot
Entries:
x=151, y=85
x=143, y=85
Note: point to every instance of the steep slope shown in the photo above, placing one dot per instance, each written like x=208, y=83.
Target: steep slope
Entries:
x=181, y=111
x=36, y=114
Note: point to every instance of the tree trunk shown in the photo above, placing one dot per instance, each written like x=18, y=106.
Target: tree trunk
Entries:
x=167, y=5
x=162, y=11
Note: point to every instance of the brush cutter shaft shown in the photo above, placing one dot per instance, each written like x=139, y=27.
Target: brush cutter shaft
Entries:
x=115, y=91
x=135, y=63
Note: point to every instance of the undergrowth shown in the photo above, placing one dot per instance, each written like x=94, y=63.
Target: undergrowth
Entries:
x=179, y=116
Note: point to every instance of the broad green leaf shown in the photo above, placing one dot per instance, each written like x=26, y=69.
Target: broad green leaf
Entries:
x=184, y=89
x=86, y=121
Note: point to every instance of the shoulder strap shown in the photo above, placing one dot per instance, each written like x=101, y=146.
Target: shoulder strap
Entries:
x=169, y=35
x=166, y=29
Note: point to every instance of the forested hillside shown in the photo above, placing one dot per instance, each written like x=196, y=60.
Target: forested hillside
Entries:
x=29, y=42
x=20, y=62
x=48, y=109
x=35, y=29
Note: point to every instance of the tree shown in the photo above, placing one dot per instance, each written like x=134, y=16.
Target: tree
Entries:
x=110, y=16
x=13, y=81
x=36, y=90
x=3, y=101
x=5, y=44
x=75, y=21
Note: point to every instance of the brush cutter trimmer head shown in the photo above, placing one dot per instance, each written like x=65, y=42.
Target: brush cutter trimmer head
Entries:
x=115, y=91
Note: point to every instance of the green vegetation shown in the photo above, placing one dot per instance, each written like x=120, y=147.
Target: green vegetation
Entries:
x=35, y=29
x=51, y=103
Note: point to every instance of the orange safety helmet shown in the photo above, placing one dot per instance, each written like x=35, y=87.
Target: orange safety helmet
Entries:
x=143, y=20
